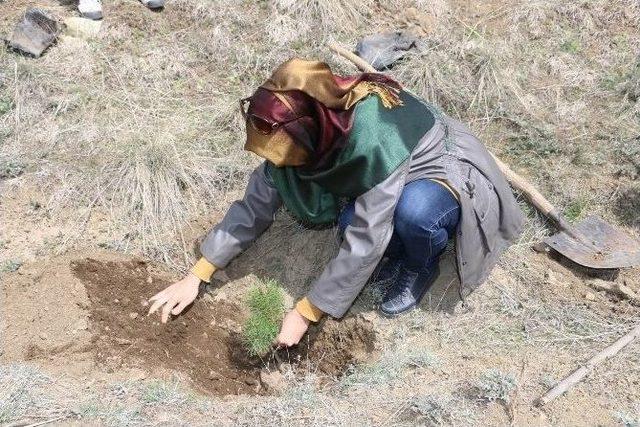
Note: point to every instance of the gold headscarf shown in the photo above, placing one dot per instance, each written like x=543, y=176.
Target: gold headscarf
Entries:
x=316, y=80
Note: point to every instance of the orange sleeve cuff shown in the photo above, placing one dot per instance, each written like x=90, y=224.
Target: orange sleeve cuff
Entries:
x=308, y=310
x=203, y=269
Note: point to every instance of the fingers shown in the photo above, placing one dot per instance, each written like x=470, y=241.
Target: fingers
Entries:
x=159, y=300
x=283, y=340
x=179, y=307
x=158, y=295
x=167, y=309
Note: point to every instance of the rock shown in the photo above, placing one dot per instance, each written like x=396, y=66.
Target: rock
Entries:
x=43, y=336
x=550, y=277
x=80, y=325
x=540, y=247
x=251, y=381
x=273, y=381
x=590, y=296
x=149, y=280
x=81, y=27
x=382, y=50
x=214, y=376
x=34, y=33
x=133, y=315
x=369, y=316
x=220, y=296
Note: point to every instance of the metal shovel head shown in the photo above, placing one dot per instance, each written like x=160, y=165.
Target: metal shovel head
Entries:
x=597, y=244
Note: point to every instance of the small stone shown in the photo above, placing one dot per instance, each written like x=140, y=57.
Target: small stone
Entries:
x=251, y=381
x=214, y=376
x=540, y=247
x=106, y=328
x=123, y=341
x=220, y=296
x=82, y=27
x=34, y=33
x=273, y=381
x=144, y=303
x=589, y=296
x=133, y=315
x=43, y=336
x=80, y=325
x=149, y=280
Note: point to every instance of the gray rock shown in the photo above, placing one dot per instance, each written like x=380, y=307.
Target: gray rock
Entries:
x=34, y=33
x=382, y=50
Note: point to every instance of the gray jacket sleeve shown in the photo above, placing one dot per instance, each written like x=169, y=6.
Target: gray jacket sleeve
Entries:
x=365, y=241
x=245, y=220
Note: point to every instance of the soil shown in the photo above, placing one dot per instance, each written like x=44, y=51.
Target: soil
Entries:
x=75, y=313
x=332, y=347
x=195, y=343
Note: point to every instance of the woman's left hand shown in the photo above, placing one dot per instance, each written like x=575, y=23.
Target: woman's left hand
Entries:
x=293, y=329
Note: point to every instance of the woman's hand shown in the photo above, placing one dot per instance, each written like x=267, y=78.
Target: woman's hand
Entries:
x=293, y=329
x=175, y=297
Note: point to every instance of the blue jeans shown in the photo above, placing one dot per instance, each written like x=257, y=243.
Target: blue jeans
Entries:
x=425, y=218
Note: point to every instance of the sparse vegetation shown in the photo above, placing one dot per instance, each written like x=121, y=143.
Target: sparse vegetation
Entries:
x=576, y=209
x=391, y=367
x=440, y=410
x=627, y=419
x=266, y=307
x=165, y=393
x=9, y=266
x=496, y=385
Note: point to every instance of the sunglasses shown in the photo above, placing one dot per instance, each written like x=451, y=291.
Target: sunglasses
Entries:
x=260, y=124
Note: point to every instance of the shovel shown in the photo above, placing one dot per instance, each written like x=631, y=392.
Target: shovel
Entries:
x=592, y=243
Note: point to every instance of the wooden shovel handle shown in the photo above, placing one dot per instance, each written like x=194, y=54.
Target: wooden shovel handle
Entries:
x=533, y=195
x=519, y=183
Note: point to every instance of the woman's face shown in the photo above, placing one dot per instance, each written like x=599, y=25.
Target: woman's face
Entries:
x=268, y=116
x=278, y=148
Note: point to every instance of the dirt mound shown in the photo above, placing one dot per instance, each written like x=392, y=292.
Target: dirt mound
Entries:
x=195, y=343
x=73, y=312
x=334, y=346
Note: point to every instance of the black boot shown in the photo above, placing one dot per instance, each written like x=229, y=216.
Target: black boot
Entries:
x=387, y=271
x=408, y=290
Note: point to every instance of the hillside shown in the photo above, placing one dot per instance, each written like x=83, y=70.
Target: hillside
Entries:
x=119, y=151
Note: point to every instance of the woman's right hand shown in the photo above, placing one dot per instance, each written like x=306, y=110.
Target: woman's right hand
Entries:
x=175, y=297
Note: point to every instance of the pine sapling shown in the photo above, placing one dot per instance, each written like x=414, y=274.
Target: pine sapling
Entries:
x=266, y=309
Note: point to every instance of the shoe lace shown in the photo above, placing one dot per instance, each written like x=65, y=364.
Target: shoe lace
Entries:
x=401, y=288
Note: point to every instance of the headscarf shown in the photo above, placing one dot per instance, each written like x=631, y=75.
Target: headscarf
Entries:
x=315, y=108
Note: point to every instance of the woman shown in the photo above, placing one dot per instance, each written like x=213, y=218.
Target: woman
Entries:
x=410, y=177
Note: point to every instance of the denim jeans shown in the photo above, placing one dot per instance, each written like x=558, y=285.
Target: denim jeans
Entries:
x=425, y=218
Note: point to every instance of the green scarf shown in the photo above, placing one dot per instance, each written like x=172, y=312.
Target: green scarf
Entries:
x=380, y=140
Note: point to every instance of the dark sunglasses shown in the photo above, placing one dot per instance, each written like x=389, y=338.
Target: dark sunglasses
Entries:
x=260, y=124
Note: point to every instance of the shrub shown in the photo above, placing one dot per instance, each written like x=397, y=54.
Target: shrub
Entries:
x=496, y=385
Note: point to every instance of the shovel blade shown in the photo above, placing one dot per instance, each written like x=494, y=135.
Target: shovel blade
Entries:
x=599, y=245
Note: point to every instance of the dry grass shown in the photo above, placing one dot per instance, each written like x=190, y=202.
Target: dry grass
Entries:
x=141, y=126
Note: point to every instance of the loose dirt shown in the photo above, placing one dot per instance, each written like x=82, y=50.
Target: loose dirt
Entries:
x=195, y=343
x=332, y=347
x=75, y=312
